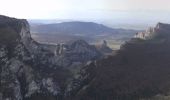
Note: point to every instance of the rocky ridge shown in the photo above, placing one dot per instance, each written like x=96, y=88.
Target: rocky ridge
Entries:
x=30, y=70
x=152, y=31
x=138, y=71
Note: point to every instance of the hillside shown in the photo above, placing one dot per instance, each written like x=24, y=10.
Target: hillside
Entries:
x=77, y=28
x=139, y=70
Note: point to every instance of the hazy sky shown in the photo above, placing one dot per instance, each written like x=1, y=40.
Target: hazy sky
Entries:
x=156, y=10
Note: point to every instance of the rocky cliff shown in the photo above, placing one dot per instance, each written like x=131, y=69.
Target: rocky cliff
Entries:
x=26, y=69
x=104, y=48
x=77, y=51
x=152, y=31
x=33, y=71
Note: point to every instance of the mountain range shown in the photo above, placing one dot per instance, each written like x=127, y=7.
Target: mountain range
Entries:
x=89, y=31
x=75, y=70
x=81, y=28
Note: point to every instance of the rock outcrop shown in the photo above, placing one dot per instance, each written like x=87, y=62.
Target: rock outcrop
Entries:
x=159, y=29
x=104, y=48
x=77, y=51
x=25, y=68
x=148, y=34
x=33, y=71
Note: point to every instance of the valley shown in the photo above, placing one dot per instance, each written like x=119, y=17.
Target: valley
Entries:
x=84, y=50
x=91, y=32
x=54, y=66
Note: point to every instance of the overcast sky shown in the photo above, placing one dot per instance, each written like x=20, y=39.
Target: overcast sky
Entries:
x=157, y=10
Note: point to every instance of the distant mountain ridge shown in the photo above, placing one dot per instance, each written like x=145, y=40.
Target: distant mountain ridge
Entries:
x=77, y=27
x=76, y=30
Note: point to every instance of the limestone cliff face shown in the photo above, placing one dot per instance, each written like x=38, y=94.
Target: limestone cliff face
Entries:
x=26, y=70
x=160, y=29
x=148, y=34
x=25, y=34
x=25, y=31
x=33, y=71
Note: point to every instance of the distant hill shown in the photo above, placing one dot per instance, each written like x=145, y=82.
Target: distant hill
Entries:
x=77, y=28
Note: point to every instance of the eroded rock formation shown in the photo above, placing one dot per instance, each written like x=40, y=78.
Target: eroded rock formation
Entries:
x=33, y=71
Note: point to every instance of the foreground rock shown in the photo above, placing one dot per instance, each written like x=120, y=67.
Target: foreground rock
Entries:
x=34, y=71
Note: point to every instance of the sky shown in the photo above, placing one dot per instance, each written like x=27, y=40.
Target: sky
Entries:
x=104, y=10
